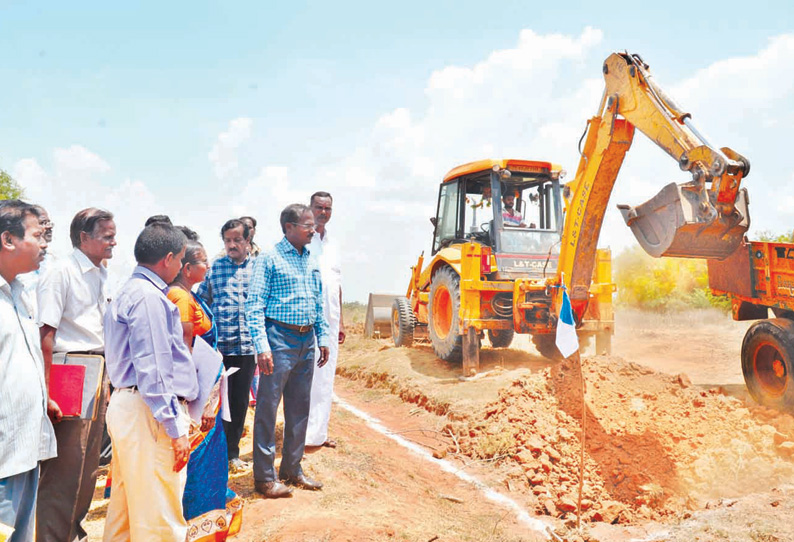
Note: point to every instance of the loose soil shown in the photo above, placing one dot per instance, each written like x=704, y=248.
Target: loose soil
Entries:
x=675, y=449
x=670, y=427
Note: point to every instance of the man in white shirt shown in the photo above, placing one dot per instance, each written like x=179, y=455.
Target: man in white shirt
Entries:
x=327, y=251
x=26, y=435
x=72, y=301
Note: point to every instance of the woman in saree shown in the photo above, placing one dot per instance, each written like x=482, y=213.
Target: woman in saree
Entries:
x=212, y=510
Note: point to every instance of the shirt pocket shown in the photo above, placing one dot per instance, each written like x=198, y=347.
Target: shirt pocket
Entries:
x=315, y=282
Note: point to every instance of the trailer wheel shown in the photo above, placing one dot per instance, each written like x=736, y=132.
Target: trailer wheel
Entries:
x=403, y=321
x=500, y=338
x=444, y=314
x=545, y=345
x=767, y=354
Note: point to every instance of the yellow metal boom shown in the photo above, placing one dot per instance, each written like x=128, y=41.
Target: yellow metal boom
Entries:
x=689, y=220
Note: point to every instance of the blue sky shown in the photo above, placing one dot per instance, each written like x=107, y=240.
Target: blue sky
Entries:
x=113, y=104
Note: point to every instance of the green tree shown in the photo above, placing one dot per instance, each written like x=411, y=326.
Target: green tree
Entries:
x=9, y=189
x=772, y=237
x=663, y=284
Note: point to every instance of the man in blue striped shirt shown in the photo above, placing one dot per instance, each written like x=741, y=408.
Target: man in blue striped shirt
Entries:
x=284, y=311
x=225, y=288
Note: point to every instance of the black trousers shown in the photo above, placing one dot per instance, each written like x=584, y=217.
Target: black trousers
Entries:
x=239, y=386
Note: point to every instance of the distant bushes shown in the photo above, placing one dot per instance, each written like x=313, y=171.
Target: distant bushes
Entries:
x=663, y=284
x=671, y=284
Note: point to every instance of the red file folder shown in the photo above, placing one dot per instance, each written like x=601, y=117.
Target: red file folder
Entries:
x=66, y=388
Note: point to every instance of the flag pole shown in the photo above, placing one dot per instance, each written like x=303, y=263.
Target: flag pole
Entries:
x=567, y=342
x=577, y=358
x=584, y=433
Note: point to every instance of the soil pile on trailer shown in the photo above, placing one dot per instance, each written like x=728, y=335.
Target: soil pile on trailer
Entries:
x=655, y=445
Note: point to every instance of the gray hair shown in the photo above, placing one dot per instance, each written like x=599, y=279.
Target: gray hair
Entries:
x=292, y=213
x=86, y=221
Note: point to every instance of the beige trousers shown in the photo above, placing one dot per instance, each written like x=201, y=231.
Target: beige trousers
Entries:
x=146, y=493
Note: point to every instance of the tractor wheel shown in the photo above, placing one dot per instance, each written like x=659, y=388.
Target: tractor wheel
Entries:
x=500, y=338
x=545, y=345
x=403, y=321
x=444, y=314
x=767, y=357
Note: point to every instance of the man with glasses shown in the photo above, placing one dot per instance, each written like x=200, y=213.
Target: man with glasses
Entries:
x=284, y=310
x=30, y=281
x=72, y=300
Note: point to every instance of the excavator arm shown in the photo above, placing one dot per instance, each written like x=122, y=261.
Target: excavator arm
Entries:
x=705, y=217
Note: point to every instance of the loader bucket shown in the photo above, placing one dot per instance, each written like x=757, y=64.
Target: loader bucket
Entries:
x=669, y=224
x=378, y=322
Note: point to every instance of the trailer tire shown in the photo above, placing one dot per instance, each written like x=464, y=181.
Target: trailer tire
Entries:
x=403, y=321
x=546, y=347
x=768, y=362
x=500, y=338
x=443, y=316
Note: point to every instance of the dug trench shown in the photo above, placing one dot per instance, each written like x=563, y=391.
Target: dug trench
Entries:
x=658, y=448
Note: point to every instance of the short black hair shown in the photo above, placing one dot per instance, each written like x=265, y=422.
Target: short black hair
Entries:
x=235, y=223
x=156, y=241
x=86, y=221
x=252, y=219
x=291, y=214
x=190, y=234
x=320, y=195
x=13, y=213
x=158, y=219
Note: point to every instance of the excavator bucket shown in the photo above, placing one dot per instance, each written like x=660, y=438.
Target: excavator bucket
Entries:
x=670, y=224
x=377, y=324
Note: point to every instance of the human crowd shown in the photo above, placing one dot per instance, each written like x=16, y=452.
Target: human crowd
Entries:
x=274, y=312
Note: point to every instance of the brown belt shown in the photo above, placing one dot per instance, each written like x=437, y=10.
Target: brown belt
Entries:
x=293, y=327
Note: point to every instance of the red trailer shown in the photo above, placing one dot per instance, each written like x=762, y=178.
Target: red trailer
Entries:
x=758, y=277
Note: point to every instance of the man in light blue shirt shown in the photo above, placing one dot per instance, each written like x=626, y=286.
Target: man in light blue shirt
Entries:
x=285, y=317
x=154, y=376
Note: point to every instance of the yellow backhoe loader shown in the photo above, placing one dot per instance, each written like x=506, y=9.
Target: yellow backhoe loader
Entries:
x=508, y=234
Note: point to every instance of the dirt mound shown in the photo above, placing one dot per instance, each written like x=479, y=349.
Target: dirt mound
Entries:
x=655, y=445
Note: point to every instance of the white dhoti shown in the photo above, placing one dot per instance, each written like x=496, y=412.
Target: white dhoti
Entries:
x=323, y=380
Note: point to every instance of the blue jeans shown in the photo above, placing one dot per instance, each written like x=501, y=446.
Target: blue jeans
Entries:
x=293, y=368
x=18, y=504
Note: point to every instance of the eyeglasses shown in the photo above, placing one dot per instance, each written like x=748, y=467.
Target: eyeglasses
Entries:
x=304, y=226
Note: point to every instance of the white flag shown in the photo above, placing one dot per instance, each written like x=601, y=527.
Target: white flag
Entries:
x=566, y=340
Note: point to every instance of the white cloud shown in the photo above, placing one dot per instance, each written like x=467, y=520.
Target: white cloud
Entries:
x=523, y=102
x=77, y=160
x=223, y=154
x=533, y=101
x=529, y=101
x=77, y=180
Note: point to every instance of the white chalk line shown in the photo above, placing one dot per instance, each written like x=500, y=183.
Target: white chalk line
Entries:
x=490, y=494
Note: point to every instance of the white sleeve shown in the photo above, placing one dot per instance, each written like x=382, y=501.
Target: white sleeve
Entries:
x=51, y=296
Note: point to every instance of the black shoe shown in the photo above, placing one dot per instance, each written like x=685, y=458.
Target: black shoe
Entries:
x=304, y=482
x=273, y=490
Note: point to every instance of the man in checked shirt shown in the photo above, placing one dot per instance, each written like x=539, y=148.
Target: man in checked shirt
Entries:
x=225, y=288
x=285, y=316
